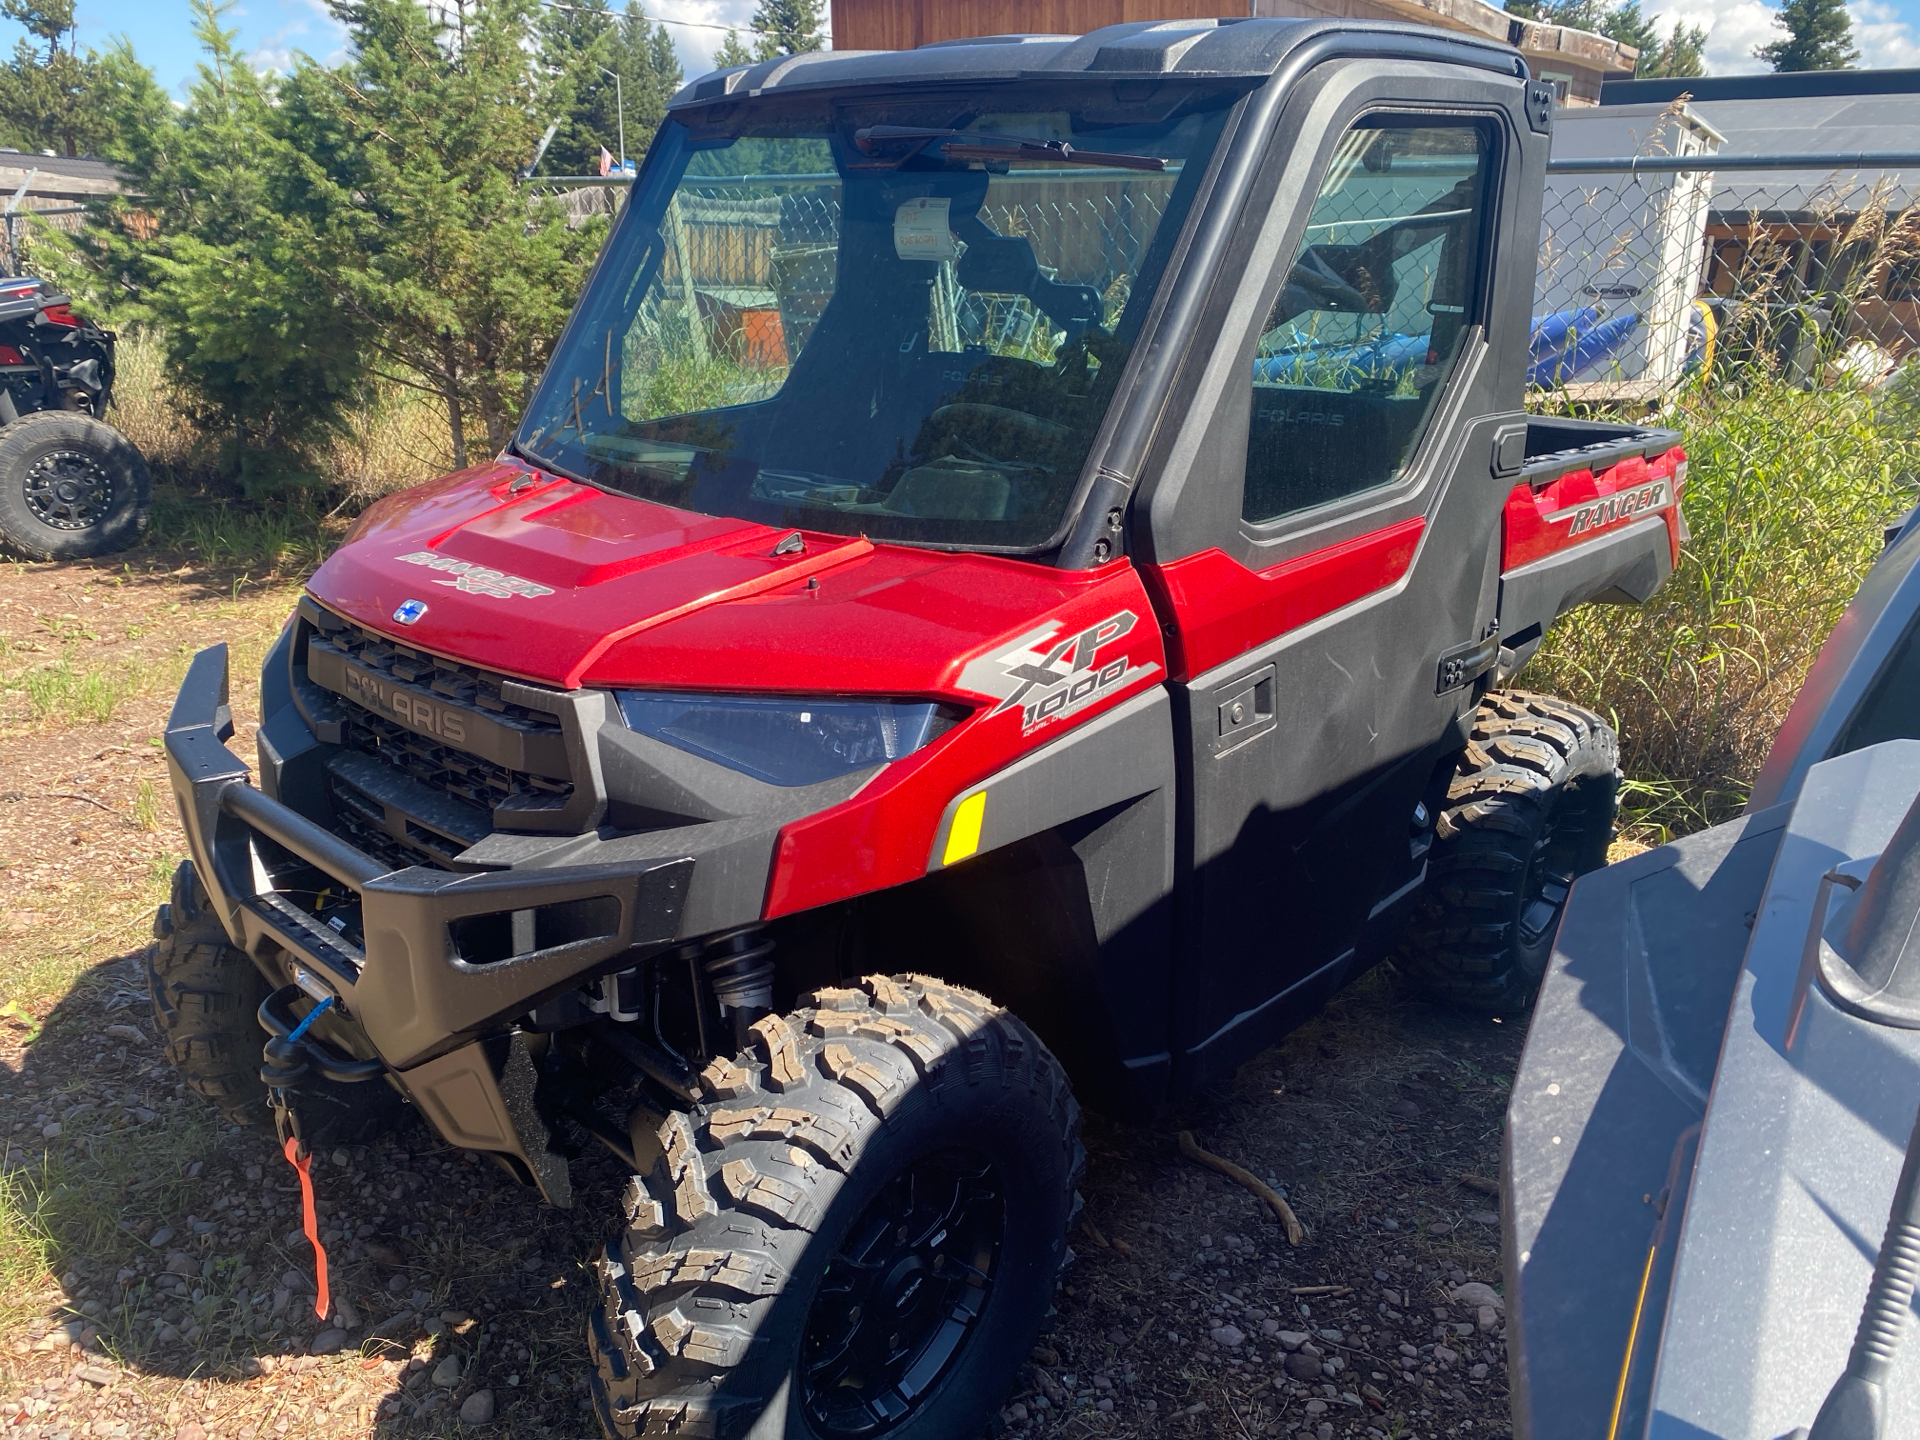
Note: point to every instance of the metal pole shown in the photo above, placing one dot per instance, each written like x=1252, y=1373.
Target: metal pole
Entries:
x=620, y=106
x=1648, y=164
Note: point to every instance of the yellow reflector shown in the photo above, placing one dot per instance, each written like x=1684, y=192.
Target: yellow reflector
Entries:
x=964, y=838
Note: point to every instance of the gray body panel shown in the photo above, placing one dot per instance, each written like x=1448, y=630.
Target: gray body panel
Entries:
x=1657, y=988
x=1618, y=1065
x=1799, y=1155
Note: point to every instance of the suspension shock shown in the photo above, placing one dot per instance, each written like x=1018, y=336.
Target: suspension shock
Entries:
x=739, y=968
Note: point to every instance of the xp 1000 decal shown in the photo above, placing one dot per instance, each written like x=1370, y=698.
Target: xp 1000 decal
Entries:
x=1050, y=673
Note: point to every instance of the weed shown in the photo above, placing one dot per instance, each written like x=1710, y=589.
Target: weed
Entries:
x=63, y=691
x=146, y=808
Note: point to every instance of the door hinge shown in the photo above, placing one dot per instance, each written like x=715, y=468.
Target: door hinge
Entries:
x=1464, y=664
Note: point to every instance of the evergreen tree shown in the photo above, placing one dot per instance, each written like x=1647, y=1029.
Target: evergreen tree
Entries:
x=456, y=283
x=1681, y=56
x=1819, y=37
x=731, y=53
x=787, y=27
x=47, y=97
x=644, y=52
x=1629, y=26
x=579, y=47
x=221, y=255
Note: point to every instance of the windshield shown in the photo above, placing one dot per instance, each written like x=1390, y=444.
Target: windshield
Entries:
x=855, y=320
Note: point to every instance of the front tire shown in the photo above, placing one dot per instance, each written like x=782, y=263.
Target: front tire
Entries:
x=206, y=998
x=858, y=1235
x=1529, y=810
x=71, y=487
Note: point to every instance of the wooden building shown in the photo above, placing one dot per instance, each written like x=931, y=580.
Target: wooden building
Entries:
x=1574, y=60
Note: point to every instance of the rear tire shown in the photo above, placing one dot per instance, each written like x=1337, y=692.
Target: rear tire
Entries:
x=1529, y=810
x=71, y=487
x=870, y=1216
x=206, y=998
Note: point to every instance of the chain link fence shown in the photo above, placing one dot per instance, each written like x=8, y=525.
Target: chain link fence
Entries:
x=1802, y=268
x=750, y=262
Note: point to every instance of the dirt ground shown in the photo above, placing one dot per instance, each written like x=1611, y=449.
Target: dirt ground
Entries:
x=153, y=1281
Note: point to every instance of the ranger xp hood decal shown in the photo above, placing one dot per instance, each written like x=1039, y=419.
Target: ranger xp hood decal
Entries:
x=475, y=579
x=1047, y=678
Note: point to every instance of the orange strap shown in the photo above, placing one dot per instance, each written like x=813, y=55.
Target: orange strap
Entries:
x=310, y=1223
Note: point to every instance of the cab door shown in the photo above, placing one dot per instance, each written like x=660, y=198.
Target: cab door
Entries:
x=1325, y=549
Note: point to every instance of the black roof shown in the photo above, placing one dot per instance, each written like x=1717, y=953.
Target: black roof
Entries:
x=1790, y=86
x=1198, y=49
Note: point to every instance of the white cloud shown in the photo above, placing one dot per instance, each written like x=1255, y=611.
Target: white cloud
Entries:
x=1736, y=27
x=694, y=43
x=305, y=27
x=1885, y=40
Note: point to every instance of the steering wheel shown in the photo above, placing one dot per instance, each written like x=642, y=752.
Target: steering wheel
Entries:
x=995, y=434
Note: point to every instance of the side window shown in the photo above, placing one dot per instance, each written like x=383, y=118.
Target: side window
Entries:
x=1369, y=324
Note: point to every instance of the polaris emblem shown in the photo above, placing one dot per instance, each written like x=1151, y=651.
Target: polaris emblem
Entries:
x=410, y=611
x=1623, y=504
x=477, y=579
x=1046, y=678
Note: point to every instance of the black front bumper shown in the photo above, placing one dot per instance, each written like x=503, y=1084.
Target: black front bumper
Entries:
x=408, y=987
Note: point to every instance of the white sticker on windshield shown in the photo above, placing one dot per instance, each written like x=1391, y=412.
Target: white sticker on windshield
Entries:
x=920, y=231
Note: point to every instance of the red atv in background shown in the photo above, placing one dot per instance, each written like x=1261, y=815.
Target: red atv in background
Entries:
x=70, y=484
x=1003, y=595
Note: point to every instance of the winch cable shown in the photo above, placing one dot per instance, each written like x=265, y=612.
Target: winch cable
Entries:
x=285, y=1066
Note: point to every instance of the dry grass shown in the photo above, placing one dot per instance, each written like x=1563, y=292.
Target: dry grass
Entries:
x=399, y=438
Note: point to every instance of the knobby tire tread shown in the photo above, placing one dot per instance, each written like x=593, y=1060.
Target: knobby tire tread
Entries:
x=713, y=1232
x=1526, y=756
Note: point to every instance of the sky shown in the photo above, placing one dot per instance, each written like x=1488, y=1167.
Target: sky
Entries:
x=1887, y=32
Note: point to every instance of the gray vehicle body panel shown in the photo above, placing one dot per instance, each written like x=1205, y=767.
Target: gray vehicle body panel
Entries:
x=1799, y=1154
x=1754, y=1284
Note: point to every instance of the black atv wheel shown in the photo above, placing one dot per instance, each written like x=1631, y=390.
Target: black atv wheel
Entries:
x=71, y=486
x=206, y=998
x=1529, y=810
x=857, y=1235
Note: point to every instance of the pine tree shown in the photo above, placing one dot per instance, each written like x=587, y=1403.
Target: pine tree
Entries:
x=1819, y=37
x=1681, y=56
x=1629, y=26
x=221, y=256
x=47, y=100
x=731, y=53
x=787, y=27
x=583, y=48
x=644, y=53
x=457, y=283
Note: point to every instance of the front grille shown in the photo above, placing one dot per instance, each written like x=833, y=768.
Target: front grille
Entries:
x=352, y=826
x=456, y=772
x=431, y=760
x=462, y=684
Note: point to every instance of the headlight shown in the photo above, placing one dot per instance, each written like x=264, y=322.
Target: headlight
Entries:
x=787, y=742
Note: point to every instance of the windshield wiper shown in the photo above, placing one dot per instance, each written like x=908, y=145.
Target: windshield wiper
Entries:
x=965, y=145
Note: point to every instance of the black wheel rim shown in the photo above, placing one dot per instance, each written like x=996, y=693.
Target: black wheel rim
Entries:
x=1553, y=869
x=902, y=1295
x=66, y=490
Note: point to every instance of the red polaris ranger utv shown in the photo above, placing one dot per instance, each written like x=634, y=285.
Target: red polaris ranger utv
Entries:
x=1013, y=558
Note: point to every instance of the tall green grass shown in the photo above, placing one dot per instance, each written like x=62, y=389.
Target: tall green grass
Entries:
x=1788, y=492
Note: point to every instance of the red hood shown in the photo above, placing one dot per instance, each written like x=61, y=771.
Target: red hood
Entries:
x=567, y=585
